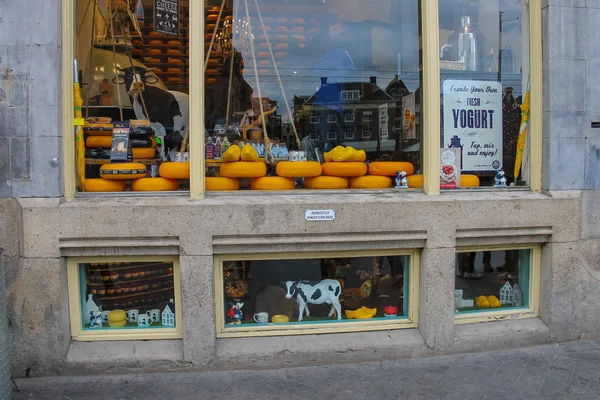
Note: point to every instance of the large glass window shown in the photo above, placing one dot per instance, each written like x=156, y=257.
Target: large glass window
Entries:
x=324, y=292
x=133, y=67
x=484, y=61
x=128, y=298
x=494, y=281
x=317, y=70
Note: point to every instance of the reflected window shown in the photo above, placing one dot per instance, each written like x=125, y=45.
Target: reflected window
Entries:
x=332, y=118
x=366, y=134
x=348, y=117
x=315, y=119
x=349, y=134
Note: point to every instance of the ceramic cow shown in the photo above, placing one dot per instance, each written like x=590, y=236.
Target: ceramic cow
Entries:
x=327, y=291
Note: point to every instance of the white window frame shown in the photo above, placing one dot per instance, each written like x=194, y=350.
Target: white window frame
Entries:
x=351, y=119
x=315, y=119
x=349, y=134
x=330, y=137
x=367, y=116
x=332, y=118
x=314, y=135
x=366, y=134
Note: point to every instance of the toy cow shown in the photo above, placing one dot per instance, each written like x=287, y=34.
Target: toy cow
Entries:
x=327, y=291
x=499, y=179
x=95, y=319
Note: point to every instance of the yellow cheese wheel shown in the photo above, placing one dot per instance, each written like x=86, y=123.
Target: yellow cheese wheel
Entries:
x=222, y=183
x=281, y=46
x=211, y=72
x=243, y=169
x=143, y=153
x=291, y=169
x=298, y=20
x=344, y=169
x=272, y=183
x=469, y=181
x=175, y=170
x=300, y=38
x=390, y=168
x=326, y=182
x=415, y=181
x=213, y=62
x=120, y=171
x=264, y=62
x=174, y=70
x=210, y=27
x=210, y=81
x=154, y=185
x=371, y=182
x=118, y=324
x=116, y=315
x=99, y=142
x=155, y=51
x=103, y=185
x=298, y=29
x=174, y=80
x=154, y=42
x=174, y=43
x=174, y=61
x=174, y=52
x=263, y=54
x=212, y=17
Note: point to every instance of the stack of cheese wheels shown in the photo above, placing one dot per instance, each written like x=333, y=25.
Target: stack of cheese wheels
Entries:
x=345, y=169
x=289, y=169
x=122, y=171
x=416, y=181
x=272, y=183
x=371, y=182
x=117, y=319
x=390, y=168
x=220, y=183
x=326, y=182
x=175, y=170
x=243, y=169
x=155, y=185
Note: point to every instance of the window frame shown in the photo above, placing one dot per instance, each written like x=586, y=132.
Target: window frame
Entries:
x=532, y=311
x=411, y=320
x=431, y=89
x=315, y=119
x=331, y=135
x=349, y=120
x=346, y=136
x=331, y=120
x=74, y=293
x=363, y=134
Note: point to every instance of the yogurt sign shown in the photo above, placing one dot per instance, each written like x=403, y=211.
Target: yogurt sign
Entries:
x=473, y=123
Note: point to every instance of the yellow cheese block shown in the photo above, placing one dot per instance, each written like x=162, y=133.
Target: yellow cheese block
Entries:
x=175, y=170
x=326, y=182
x=272, y=183
x=154, y=185
x=103, y=185
x=390, y=168
x=232, y=154
x=371, y=182
x=142, y=153
x=243, y=169
x=469, y=181
x=116, y=315
x=291, y=169
x=344, y=169
x=99, y=142
x=120, y=171
x=415, y=181
x=117, y=324
x=221, y=183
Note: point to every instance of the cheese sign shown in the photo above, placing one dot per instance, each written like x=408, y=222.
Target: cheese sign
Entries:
x=166, y=17
x=473, y=122
x=319, y=215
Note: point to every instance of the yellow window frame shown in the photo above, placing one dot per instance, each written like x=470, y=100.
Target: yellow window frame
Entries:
x=533, y=311
x=431, y=94
x=77, y=331
x=334, y=327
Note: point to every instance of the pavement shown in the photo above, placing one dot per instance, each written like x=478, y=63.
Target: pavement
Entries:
x=558, y=371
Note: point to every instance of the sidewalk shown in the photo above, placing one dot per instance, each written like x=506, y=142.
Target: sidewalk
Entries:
x=566, y=371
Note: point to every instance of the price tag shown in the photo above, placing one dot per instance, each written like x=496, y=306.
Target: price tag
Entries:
x=79, y=122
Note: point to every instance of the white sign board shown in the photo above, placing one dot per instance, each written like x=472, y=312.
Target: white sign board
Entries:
x=383, y=122
x=473, y=123
x=319, y=215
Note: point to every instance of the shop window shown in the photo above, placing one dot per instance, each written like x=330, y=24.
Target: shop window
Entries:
x=485, y=70
x=501, y=282
x=133, y=66
x=327, y=293
x=127, y=298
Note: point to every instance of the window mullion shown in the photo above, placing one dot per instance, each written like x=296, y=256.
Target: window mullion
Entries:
x=196, y=80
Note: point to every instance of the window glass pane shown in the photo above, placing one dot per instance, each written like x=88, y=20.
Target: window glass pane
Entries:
x=306, y=73
x=492, y=280
x=332, y=289
x=132, y=295
x=484, y=61
x=133, y=64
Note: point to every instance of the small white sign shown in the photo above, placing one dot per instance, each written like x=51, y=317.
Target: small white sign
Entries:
x=319, y=215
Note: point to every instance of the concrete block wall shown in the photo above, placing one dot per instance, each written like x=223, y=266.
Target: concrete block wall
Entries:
x=30, y=71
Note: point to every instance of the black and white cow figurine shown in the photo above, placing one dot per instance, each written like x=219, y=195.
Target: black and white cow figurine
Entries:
x=167, y=108
x=326, y=291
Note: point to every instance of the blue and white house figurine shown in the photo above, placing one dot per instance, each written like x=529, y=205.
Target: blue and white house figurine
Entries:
x=168, y=314
x=401, y=181
x=499, y=179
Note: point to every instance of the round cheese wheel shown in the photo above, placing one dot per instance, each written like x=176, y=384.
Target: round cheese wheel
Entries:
x=215, y=9
x=263, y=54
x=154, y=185
x=263, y=72
x=281, y=46
x=207, y=45
x=137, y=42
x=211, y=72
x=154, y=61
x=272, y=183
x=172, y=79
x=371, y=182
x=390, y=168
x=291, y=169
x=175, y=170
x=208, y=36
x=469, y=181
x=264, y=62
x=174, y=70
x=213, y=62
x=264, y=37
x=300, y=38
x=344, y=169
x=221, y=183
x=155, y=51
x=154, y=42
x=281, y=20
x=143, y=153
x=155, y=34
x=267, y=28
x=102, y=142
x=174, y=43
x=415, y=181
x=118, y=324
x=298, y=29
x=280, y=54
x=103, y=185
x=228, y=18
x=263, y=45
x=210, y=81
x=138, y=51
x=174, y=61
x=116, y=315
x=281, y=37
x=298, y=20
x=174, y=52
x=210, y=27
x=99, y=133
x=243, y=169
x=212, y=17
x=326, y=182
x=281, y=28
x=301, y=45
x=120, y=171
